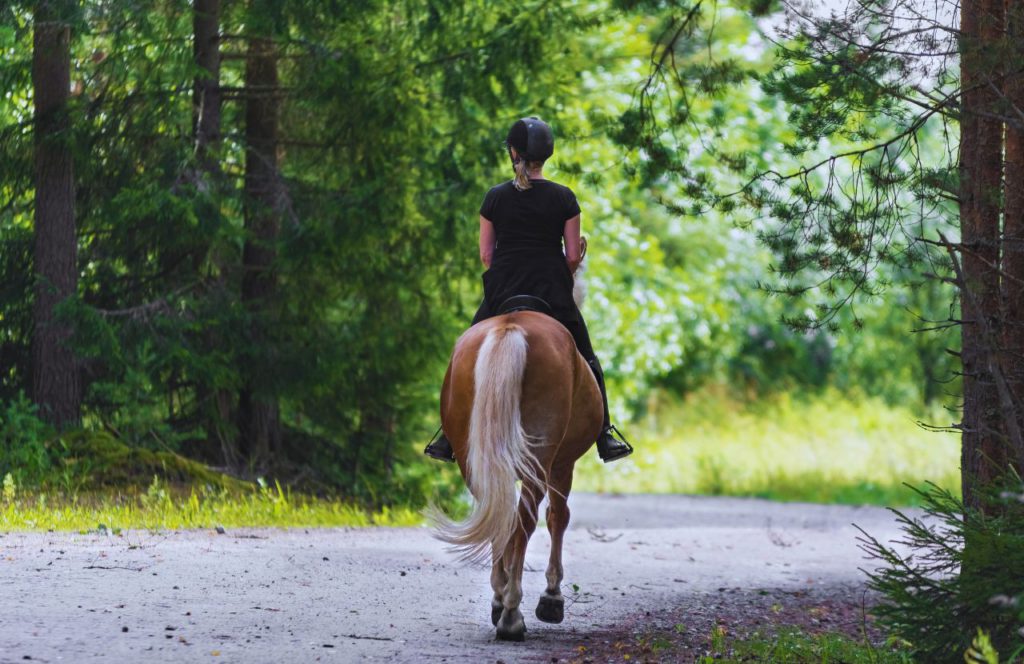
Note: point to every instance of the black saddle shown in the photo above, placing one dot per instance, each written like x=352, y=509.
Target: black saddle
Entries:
x=525, y=303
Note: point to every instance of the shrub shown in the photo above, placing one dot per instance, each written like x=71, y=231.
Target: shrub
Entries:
x=24, y=452
x=962, y=574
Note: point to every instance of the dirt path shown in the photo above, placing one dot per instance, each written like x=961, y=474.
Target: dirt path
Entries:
x=348, y=595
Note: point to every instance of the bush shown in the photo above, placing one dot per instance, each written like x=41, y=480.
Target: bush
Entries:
x=33, y=455
x=24, y=452
x=961, y=579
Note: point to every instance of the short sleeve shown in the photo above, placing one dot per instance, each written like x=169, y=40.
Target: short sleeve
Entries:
x=487, y=207
x=572, y=206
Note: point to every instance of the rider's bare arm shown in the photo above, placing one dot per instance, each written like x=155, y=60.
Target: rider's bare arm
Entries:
x=571, y=237
x=486, y=241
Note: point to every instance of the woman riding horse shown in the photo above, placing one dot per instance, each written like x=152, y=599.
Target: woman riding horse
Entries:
x=523, y=225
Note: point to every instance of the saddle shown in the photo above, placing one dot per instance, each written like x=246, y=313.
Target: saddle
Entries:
x=525, y=303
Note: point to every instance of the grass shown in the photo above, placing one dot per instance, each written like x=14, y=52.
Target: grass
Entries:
x=793, y=646
x=160, y=507
x=768, y=642
x=825, y=448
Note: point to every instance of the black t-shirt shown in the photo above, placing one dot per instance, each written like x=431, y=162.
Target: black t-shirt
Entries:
x=533, y=219
x=528, y=257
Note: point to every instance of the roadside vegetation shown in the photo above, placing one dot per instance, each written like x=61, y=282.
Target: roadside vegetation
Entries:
x=797, y=647
x=160, y=507
x=821, y=447
x=816, y=447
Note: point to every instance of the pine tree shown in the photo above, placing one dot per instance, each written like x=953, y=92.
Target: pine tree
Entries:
x=266, y=201
x=55, y=379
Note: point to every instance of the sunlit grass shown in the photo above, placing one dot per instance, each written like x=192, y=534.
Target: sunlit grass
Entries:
x=159, y=508
x=826, y=448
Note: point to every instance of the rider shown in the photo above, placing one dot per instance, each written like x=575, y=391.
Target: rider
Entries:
x=523, y=223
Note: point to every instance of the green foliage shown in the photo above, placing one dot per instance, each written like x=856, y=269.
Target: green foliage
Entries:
x=686, y=275
x=817, y=447
x=954, y=584
x=33, y=455
x=24, y=440
x=161, y=507
x=981, y=650
x=796, y=647
x=388, y=143
x=684, y=267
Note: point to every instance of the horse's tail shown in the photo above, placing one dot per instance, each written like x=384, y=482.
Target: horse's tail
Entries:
x=499, y=451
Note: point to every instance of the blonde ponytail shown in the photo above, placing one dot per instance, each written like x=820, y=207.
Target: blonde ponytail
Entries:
x=523, y=168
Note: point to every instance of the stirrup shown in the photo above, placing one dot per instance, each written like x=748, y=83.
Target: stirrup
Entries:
x=439, y=447
x=620, y=449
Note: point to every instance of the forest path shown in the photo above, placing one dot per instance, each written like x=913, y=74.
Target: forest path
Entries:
x=348, y=595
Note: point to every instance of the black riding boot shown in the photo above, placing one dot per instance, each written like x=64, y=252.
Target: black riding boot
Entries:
x=611, y=444
x=440, y=448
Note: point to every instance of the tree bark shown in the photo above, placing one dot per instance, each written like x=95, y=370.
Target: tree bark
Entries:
x=216, y=404
x=983, y=443
x=56, y=387
x=206, y=91
x=265, y=201
x=1013, y=220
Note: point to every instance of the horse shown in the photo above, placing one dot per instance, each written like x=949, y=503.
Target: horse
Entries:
x=518, y=403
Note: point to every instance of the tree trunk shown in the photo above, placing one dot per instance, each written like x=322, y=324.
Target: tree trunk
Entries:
x=206, y=91
x=1013, y=221
x=216, y=405
x=259, y=423
x=55, y=380
x=983, y=443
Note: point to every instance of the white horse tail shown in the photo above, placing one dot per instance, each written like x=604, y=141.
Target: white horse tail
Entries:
x=499, y=451
x=579, y=285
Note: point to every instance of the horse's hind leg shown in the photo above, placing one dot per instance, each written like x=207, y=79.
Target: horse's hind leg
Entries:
x=511, y=626
x=499, y=579
x=551, y=608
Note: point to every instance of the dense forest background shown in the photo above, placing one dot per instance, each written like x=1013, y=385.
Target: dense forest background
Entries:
x=253, y=227
x=238, y=239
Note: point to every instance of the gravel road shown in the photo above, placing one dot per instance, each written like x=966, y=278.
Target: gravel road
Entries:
x=351, y=595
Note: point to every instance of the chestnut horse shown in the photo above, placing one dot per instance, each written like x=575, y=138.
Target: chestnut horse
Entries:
x=518, y=403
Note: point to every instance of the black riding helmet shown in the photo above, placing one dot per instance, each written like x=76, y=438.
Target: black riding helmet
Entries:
x=532, y=139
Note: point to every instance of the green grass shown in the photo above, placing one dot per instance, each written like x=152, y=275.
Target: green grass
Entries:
x=160, y=508
x=792, y=646
x=776, y=644
x=825, y=448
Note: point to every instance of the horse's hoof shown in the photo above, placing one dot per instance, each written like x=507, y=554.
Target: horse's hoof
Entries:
x=496, y=609
x=511, y=626
x=551, y=609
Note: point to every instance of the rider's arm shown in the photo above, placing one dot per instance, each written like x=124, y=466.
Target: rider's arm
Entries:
x=571, y=236
x=486, y=241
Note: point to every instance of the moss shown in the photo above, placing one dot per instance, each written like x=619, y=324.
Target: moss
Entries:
x=103, y=461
